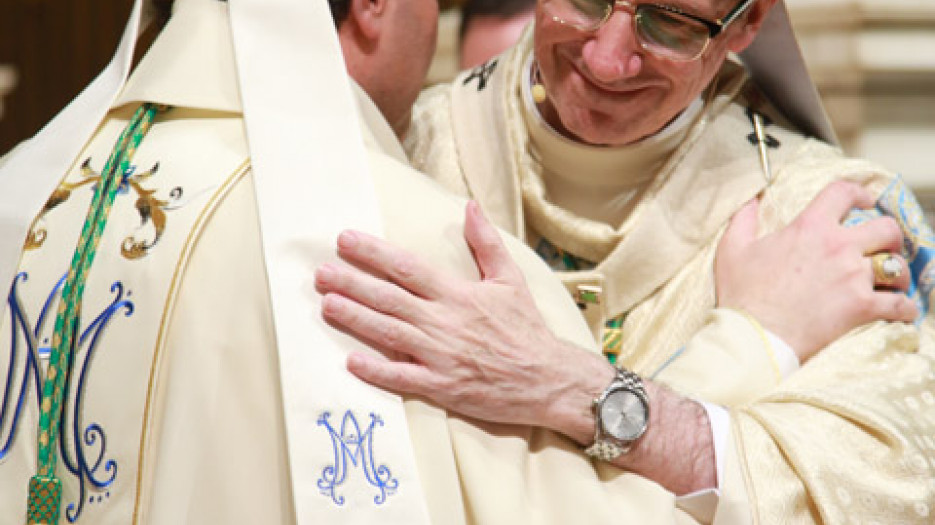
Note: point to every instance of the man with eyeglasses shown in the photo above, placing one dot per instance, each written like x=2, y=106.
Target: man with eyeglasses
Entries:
x=179, y=372
x=618, y=139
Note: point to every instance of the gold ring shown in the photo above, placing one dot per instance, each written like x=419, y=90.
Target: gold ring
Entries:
x=886, y=268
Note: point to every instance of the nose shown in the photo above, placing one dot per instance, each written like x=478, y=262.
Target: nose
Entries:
x=614, y=52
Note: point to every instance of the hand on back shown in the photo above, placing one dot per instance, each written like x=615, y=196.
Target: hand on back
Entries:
x=813, y=281
x=479, y=347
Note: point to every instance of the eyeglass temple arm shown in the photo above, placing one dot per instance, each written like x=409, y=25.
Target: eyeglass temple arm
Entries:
x=732, y=15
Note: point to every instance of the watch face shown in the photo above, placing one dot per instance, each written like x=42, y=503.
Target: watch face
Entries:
x=623, y=415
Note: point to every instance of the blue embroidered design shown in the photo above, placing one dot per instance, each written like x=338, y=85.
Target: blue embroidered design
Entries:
x=83, y=448
x=899, y=203
x=354, y=448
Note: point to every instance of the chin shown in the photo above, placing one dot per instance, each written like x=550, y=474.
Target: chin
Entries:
x=615, y=123
x=600, y=129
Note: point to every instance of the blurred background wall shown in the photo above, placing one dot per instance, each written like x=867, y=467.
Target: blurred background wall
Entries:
x=50, y=50
x=873, y=61
x=874, y=64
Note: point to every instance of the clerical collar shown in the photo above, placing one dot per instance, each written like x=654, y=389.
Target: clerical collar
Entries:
x=616, y=167
x=191, y=64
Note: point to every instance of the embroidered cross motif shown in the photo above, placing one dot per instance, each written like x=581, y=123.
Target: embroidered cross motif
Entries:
x=769, y=140
x=354, y=448
x=482, y=73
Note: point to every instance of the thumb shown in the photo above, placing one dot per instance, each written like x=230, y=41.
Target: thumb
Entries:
x=493, y=260
x=741, y=231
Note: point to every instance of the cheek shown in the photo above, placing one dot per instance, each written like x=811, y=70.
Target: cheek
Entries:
x=553, y=56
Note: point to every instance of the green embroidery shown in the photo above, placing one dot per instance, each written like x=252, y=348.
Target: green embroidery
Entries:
x=612, y=338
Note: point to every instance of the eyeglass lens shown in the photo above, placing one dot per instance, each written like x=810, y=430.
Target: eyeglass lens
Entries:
x=661, y=31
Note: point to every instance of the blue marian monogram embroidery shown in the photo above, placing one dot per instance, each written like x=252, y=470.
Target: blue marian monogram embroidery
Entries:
x=354, y=448
x=82, y=448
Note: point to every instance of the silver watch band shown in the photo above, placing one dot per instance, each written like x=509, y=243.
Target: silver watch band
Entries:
x=606, y=448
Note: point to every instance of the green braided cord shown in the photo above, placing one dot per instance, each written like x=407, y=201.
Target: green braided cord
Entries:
x=44, y=495
x=65, y=338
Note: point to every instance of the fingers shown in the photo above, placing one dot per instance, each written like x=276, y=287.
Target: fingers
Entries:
x=381, y=258
x=493, y=259
x=395, y=376
x=384, y=297
x=839, y=198
x=896, y=307
x=890, y=271
x=742, y=228
x=387, y=334
x=878, y=235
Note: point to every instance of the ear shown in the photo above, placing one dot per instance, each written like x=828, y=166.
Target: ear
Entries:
x=752, y=22
x=368, y=17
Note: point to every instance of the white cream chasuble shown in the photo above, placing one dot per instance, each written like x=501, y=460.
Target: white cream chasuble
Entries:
x=846, y=435
x=206, y=389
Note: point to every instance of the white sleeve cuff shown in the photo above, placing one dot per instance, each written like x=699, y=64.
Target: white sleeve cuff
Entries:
x=703, y=503
x=785, y=357
x=719, y=418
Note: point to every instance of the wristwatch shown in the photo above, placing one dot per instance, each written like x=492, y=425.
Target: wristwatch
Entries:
x=621, y=413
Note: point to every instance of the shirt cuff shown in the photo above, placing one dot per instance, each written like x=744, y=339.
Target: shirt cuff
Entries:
x=785, y=362
x=719, y=418
x=702, y=504
x=785, y=357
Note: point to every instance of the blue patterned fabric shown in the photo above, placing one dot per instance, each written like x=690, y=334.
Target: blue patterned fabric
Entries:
x=899, y=203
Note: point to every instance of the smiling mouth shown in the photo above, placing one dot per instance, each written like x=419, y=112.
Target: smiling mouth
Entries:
x=625, y=91
x=607, y=91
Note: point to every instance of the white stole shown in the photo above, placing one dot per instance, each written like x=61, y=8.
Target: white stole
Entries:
x=312, y=181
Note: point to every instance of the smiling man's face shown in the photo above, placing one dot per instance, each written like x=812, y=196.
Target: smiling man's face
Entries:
x=606, y=89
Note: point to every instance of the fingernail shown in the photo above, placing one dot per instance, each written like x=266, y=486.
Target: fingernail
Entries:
x=475, y=210
x=331, y=304
x=325, y=273
x=348, y=240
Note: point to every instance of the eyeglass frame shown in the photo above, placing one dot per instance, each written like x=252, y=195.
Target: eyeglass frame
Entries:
x=715, y=27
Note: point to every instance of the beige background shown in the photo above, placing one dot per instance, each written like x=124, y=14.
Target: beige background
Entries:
x=874, y=63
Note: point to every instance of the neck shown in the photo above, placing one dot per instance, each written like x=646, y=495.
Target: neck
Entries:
x=401, y=126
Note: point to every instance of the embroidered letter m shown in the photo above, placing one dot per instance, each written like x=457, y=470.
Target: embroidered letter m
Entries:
x=354, y=448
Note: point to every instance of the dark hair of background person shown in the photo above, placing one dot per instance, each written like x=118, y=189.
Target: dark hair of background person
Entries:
x=163, y=9
x=339, y=10
x=498, y=8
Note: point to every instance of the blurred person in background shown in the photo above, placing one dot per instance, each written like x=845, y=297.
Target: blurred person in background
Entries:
x=488, y=27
